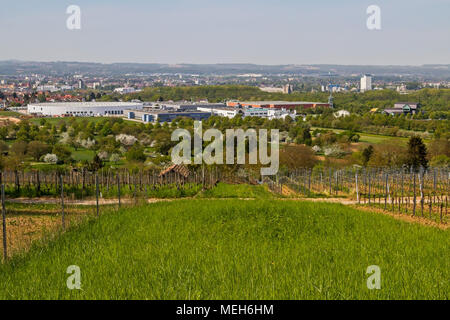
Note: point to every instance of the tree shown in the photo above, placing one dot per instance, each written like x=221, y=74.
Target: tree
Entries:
x=37, y=149
x=367, y=154
x=91, y=96
x=19, y=148
x=42, y=98
x=416, y=154
x=3, y=147
x=136, y=153
x=114, y=158
x=50, y=158
x=307, y=139
x=63, y=153
x=96, y=164
x=3, y=133
x=163, y=142
x=126, y=140
x=388, y=154
x=296, y=157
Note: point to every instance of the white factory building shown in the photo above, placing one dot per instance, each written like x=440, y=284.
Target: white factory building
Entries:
x=231, y=112
x=82, y=109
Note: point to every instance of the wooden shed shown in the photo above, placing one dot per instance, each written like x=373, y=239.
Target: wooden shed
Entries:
x=175, y=169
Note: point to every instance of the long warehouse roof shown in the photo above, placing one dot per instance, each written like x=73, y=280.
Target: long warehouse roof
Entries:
x=86, y=104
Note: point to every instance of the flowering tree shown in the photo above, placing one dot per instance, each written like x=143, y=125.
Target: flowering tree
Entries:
x=317, y=149
x=51, y=158
x=103, y=155
x=126, y=140
x=114, y=157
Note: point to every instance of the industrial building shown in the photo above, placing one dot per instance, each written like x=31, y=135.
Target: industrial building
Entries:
x=164, y=115
x=288, y=105
x=184, y=106
x=231, y=112
x=82, y=109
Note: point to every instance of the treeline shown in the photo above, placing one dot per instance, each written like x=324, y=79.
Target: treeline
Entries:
x=400, y=125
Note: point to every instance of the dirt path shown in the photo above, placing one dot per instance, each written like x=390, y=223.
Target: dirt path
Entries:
x=398, y=216
x=66, y=202
x=88, y=202
x=10, y=119
x=332, y=200
x=406, y=217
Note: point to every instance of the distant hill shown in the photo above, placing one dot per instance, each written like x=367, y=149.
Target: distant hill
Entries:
x=60, y=68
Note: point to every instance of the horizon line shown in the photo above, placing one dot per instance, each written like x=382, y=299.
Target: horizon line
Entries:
x=228, y=63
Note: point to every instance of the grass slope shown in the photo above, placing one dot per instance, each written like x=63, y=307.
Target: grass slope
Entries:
x=232, y=249
x=223, y=190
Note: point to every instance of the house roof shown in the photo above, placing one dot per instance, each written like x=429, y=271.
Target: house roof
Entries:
x=181, y=169
x=393, y=110
x=410, y=104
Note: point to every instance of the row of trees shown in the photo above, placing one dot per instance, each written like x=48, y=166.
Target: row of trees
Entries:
x=380, y=124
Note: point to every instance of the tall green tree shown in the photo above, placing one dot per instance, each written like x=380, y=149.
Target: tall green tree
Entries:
x=417, y=153
x=367, y=154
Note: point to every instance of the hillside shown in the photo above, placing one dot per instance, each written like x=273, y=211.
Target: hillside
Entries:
x=234, y=249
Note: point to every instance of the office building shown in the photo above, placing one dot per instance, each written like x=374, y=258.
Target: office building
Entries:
x=366, y=83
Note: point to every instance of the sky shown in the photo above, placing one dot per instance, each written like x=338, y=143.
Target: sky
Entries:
x=413, y=32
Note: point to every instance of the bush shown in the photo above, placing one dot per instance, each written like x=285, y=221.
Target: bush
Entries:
x=440, y=161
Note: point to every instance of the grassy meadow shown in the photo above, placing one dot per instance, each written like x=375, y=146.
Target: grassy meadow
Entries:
x=242, y=191
x=372, y=138
x=10, y=114
x=235, y=249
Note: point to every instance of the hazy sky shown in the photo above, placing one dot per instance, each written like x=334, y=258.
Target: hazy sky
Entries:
x=227, y=31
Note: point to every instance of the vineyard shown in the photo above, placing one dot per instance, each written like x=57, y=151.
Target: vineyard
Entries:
x=424, y=193
x=38, y=204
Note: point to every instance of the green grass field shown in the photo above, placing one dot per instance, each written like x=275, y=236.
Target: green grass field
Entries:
x=223, y=190
x=235, y=249
x=372, y=138
x=83, y=155
x=10, y=114
x=57, y=120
